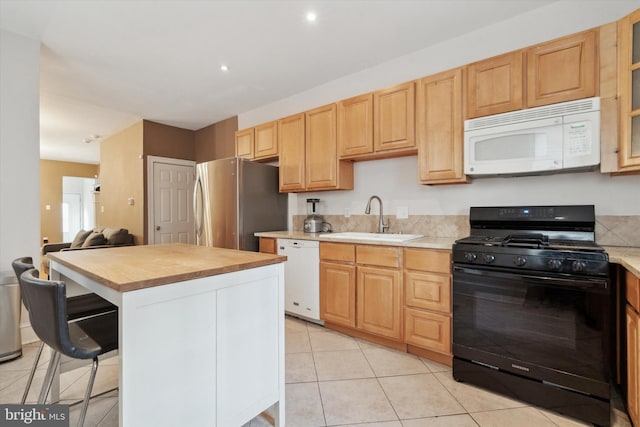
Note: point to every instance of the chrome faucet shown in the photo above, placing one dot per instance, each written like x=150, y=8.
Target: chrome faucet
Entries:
x=381, y=225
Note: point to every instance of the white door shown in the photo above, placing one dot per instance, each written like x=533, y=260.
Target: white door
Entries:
x=172, y=218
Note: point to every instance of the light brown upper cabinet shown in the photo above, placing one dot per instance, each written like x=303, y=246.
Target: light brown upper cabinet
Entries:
x=244, y=143
x=291, y=138
x=355, y=126
x=266, y=141
x=495, y=85
x=323, y=169
x=394, y=119
x=309, y=153
x=259, y=142
x=629, y=92
x=440, y=128
x=562, y=70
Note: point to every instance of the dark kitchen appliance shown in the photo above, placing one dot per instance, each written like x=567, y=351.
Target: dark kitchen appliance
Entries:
x=531, y=308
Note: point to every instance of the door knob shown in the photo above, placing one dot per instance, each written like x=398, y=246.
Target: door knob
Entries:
x=157, y=227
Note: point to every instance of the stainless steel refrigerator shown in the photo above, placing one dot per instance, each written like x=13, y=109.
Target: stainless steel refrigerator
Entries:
x=234, y=198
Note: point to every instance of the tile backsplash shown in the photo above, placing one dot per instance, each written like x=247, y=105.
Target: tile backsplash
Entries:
x=610, y=230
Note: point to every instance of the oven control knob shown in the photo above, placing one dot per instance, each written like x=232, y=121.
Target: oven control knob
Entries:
x=488, y=258
x=555, y=264
x=578, y=266
x=519, y=261
x=470, y=256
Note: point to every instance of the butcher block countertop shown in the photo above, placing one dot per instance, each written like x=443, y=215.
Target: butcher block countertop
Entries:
x=128, y=268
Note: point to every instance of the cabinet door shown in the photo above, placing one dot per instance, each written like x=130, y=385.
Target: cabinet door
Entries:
x=292, y=153
x=495, y=85
x=394, y=118
x=322, y=156
x=629, y=91
x=429, y=291
x=633, y=290
x=633, y=365
x=266, y=141
x=440, y=128
x=427, y=330
x=244, y=143
x=355, y=126
x=562, y=70
x=379, y=302
x=338, y=293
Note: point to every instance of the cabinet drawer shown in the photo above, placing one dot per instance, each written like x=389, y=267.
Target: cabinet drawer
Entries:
x=427, y=330
x=342, y=252
x=633, y=290
x=427, y=260
x=383, y=256
x=430, y=291
x=268, y=245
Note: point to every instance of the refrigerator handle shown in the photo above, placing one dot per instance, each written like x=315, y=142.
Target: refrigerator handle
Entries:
x=198, y=189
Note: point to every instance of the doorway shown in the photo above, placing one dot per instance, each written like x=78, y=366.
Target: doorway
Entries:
x=170, y=200
x=78, y=211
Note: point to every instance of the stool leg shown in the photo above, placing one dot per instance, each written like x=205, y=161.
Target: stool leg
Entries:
x=48, y=378
x=87, y=394
x=32, y=373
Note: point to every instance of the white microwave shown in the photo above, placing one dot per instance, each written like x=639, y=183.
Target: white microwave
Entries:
x=556, y=137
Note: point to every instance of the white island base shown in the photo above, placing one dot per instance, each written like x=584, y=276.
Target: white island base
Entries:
x=207, y=351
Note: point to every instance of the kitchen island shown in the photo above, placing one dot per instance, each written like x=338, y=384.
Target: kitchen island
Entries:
x=201, y=330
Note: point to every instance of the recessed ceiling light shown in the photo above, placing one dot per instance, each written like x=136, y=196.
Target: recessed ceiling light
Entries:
x=224, y=68
x=311, y=16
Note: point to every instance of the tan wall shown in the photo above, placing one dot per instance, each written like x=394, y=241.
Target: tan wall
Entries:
x=51, y=173
x=216, y=141
x=122, y=177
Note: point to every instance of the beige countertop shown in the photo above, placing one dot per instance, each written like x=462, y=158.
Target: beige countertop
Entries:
x=424, y=242
x=128, y=268
x=628, y=257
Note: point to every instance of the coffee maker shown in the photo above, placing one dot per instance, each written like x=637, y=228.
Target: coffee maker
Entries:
x=313, y=223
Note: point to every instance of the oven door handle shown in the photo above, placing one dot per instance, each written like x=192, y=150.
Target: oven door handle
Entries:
x=572, y=282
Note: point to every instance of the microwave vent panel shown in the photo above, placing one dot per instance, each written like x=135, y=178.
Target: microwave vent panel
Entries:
x=545, y=112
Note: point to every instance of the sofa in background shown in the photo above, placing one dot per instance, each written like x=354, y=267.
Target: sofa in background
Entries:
x=99, y=237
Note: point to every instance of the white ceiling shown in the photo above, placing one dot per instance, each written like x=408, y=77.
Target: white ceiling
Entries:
x=108, y=64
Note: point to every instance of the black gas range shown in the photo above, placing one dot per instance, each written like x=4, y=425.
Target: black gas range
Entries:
x=531, y=308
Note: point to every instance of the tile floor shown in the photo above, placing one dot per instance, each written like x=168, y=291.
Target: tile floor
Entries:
x=331, y=380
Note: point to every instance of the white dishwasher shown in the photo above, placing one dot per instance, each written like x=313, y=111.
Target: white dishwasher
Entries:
x=301, y=277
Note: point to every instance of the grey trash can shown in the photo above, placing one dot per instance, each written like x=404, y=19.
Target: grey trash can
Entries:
x=10, y=307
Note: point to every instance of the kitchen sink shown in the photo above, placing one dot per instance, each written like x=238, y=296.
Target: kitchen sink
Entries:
x=377, y=237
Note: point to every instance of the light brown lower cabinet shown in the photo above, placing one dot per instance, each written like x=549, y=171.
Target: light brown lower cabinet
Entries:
x=268, y=245
x=633, y=365
x=393, y=296
x=633, y=347
x=427, y=312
